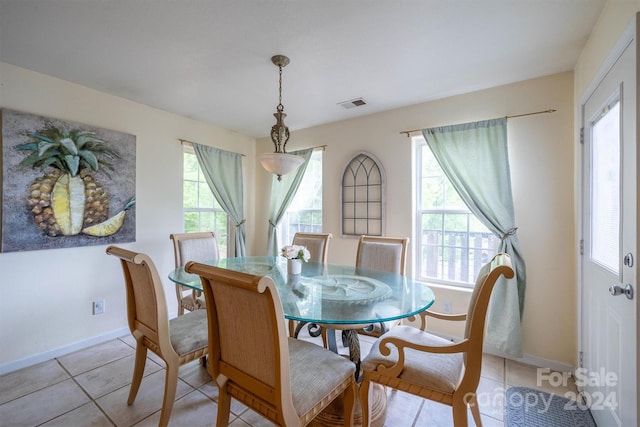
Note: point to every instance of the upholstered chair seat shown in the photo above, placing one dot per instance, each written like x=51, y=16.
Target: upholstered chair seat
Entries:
x=187, y=333
x=312, y=376
x=434, y=371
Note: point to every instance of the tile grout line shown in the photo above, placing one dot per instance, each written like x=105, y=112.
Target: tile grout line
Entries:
x=417, y=417
x=41, y=388
x=91, y=400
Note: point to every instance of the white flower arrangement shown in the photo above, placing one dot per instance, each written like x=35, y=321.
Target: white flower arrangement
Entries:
x=295, y=252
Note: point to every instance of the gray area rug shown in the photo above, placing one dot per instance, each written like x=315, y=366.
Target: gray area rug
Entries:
x=527, y=407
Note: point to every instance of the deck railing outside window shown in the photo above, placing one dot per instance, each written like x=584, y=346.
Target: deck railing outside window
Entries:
x=454, y=256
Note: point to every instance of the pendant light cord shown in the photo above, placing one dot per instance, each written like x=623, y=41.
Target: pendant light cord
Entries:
x=280, y=107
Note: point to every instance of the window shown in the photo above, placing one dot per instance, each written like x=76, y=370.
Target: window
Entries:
x=452, y=244
x=305, y=211
x=605, y=192
x=201, y=210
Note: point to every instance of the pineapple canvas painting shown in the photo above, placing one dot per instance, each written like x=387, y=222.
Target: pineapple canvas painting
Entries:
x=65, y=184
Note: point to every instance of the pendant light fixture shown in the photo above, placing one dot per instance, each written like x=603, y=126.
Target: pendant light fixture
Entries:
x=279, y=162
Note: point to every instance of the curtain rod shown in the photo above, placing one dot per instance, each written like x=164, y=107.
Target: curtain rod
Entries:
x=186, y=142
x=552, y=110
x=317, y=147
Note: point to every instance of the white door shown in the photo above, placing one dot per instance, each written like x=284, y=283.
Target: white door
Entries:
x=608, y=374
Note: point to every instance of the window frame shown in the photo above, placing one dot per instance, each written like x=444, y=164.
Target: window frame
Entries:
x=188, y=150
x=464, y=264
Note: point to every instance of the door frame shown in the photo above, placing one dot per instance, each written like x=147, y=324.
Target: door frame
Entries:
x=630, y=33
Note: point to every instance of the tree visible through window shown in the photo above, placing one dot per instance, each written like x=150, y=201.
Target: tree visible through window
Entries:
x=305, y=212
x=452, y=244
x=201, y=210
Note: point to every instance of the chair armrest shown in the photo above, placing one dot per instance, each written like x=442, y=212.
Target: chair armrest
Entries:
x=386, y=344
x=401, y=344
x=428, y=313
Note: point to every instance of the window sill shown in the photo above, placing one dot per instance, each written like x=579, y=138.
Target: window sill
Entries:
x=448, y=287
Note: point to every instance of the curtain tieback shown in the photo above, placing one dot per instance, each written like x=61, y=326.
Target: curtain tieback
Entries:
x=272, y=224
x=510, y=232
x=241, y=223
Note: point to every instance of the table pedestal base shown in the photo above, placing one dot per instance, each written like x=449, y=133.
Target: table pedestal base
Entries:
x=332, y=415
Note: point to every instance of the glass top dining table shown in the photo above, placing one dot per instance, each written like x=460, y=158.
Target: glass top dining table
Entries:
x=330, y=294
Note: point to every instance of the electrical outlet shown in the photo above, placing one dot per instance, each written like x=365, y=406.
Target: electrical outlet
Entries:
x=98, y=307
x=447, y=307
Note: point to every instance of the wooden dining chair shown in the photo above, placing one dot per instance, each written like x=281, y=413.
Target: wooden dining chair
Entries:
x=318, y=246
x=287, y=381
x=422, y=364
x=201, y=246
x=176, y=341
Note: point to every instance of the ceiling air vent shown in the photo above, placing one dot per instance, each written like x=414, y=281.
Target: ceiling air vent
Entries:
x=358, y=102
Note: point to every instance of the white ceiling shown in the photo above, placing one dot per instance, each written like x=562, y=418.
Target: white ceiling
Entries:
x=210, y=59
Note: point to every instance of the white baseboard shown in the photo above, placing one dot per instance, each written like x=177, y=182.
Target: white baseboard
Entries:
x=61, y=351
x=51, y=354
x=528, y=359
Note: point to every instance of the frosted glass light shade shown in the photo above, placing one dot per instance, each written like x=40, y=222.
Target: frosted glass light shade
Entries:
x=280, y=163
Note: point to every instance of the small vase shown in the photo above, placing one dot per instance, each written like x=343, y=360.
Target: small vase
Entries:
x=294, y=266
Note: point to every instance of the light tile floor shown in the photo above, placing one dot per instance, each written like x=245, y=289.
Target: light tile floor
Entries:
x=90, y=388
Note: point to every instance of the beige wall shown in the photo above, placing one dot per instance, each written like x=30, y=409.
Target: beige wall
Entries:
x=613, y=20
x=46, y=296
x=541, y=156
